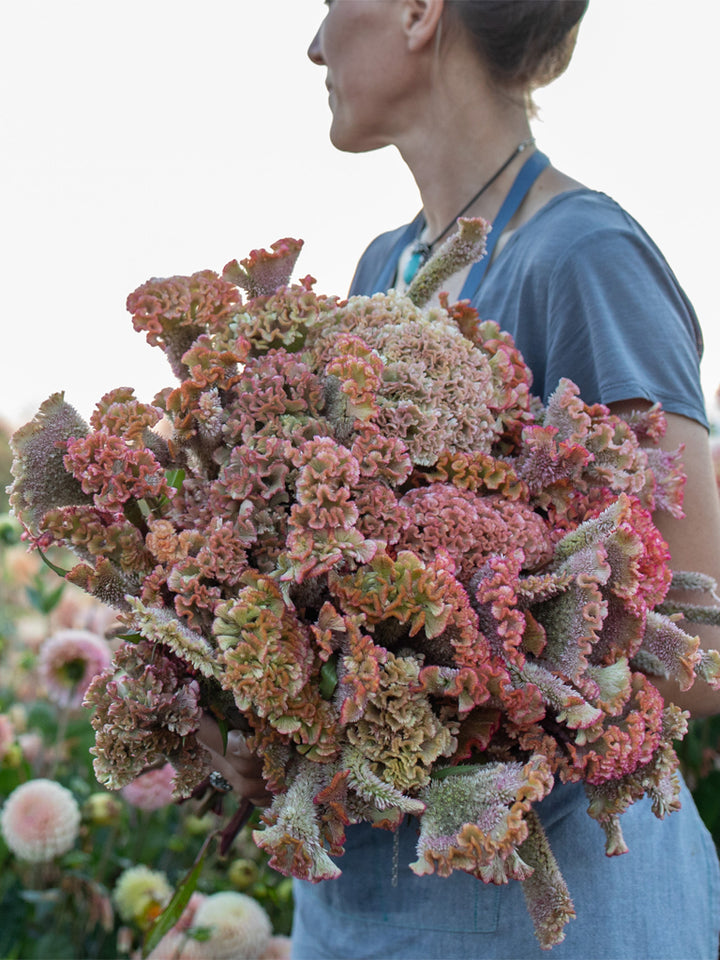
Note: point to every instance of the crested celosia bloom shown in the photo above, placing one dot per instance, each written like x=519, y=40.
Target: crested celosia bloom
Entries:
x=141, y=894
x=68, y=662
x=152, y=790
x=415, y=588
x=40, y=820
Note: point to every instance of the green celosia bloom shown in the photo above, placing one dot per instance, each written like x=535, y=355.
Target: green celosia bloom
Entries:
x=360, y=539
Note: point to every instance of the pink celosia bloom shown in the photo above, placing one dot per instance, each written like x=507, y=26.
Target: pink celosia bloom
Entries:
x=151, y=790
x=68, y=662
x=40, y=820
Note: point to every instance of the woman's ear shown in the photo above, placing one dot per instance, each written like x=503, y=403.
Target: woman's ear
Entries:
x=421, y=19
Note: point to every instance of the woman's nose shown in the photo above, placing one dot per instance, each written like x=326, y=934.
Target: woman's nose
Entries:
x=315, y=50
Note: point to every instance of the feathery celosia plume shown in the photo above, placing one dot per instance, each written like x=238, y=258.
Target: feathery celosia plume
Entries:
x=40, y=820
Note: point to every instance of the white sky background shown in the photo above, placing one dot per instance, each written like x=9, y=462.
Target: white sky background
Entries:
x=156, y=137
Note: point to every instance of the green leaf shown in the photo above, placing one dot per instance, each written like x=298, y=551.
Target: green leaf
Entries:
x=175, y=477
x=222, y=723
x=130, y=637
x=328, y=678
x=179, y=900
x=55, y=569
x=457, y=771
x=50, y=600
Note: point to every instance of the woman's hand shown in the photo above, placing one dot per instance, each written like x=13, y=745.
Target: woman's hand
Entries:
x=241, y=768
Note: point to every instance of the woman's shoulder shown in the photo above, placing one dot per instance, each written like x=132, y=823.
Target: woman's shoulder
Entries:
x=571, y=217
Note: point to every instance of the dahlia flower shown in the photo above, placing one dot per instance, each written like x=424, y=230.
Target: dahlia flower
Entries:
x=141, y=894
x=234, y=925
x=239, y=927
x=7, y=734
x=68, y=662
x=40, y=820
x=416, y=589
x=102, y=808
x=151, y=790
x=278, y=948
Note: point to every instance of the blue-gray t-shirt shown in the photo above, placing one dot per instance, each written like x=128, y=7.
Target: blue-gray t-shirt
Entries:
x=586, y=295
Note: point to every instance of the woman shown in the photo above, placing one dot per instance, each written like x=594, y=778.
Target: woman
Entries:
x=587, y=296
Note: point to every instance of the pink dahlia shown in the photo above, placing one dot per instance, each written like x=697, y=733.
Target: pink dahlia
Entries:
x=7, y=734
x=40, y=820
x=152, y=789
x=68, y=662
x=278, y=948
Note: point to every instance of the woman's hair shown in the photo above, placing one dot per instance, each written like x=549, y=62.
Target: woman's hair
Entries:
x=525, y=44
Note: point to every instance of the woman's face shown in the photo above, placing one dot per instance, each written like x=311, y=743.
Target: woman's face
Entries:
x=363, y=46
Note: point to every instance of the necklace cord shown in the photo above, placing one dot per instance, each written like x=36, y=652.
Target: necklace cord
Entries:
x=422, y=249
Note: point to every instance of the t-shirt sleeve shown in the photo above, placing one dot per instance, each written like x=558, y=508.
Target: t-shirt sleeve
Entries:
x=619, y=320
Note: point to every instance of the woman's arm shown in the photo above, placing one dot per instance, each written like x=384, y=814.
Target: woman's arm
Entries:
x=694, y=541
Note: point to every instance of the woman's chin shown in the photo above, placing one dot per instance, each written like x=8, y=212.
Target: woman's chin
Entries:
x=351, y=141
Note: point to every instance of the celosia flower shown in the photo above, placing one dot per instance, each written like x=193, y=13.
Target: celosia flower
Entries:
x=69, y=660
x=141, y=894
x=152, y=790
x=360, y=538
x=40, y=820
x=146, y=709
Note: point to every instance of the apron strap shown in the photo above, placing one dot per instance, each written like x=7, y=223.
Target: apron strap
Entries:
x=529, y=172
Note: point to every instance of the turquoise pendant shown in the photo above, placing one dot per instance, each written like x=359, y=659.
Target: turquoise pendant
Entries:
x=419, y=256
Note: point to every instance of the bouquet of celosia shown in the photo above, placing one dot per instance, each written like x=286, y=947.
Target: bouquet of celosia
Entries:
x=352, y=532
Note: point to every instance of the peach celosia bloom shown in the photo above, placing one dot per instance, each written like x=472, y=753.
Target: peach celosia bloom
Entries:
x=40, y=820
x=151, y=790
x=68, y=662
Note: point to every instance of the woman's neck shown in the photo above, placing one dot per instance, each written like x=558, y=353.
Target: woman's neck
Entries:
x=456, y=133
x=451, y=167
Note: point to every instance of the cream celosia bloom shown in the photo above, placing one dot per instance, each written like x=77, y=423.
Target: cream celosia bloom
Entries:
x=40, y=820
x=140, y=894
